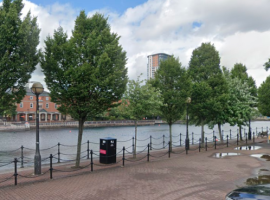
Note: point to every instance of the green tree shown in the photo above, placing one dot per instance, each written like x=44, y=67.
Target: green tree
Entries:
x=240, y=71
x=263, y=97
x=174, y=84
x=18, y=51
x=86, y=74
x=140, y=100
x=239, y=103
x=209, y=87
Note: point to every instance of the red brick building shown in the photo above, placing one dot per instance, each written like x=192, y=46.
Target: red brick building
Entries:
x=26, y=110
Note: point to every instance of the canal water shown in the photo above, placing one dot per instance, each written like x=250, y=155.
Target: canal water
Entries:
x=11, y=142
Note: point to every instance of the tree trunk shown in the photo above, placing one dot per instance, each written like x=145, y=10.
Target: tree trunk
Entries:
x=80, y=133
x=170, y=125
x=135, y=142
x=202, y=133
x=220, y=134
x=240, y=132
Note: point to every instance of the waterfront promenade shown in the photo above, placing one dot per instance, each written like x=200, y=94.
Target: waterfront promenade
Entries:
x=196, y=176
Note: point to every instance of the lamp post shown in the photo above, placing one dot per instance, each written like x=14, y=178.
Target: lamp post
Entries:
x=37, y=89
x=187, y=136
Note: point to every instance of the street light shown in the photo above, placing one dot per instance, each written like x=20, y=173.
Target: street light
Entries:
x=187, y=136
x=37, y=89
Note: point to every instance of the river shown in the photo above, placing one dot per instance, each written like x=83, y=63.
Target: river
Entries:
x=67, y=137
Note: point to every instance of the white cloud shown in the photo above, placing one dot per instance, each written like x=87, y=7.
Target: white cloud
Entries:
x=239, y=30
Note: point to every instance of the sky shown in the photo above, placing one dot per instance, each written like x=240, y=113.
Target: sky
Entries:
x=239, y=29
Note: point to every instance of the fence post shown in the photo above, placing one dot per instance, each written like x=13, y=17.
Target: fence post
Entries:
x=215, y=138
x=227, y=140
x=206, y=144
x=150, y=142
x=88, y=149
x=22, y=157
x=58, y=152
x=237, y=139
x=15, y=171
x=256, y=131
x=133, y=145
x=200, y=145
x=180, y=139
x=147, y=152
x=192, y=138
x=169, y=149
x=230, y=134
x=164, y=141
x=51, y=168
x=123, y=156
x=246, y=138
x=91, y=163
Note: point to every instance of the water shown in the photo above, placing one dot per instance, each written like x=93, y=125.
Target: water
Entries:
x=67, y=137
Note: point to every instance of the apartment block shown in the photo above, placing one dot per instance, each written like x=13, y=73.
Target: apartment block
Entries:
x=154, y=63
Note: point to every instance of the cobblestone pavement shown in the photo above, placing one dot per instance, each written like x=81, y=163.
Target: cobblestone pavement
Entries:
x=196, y=176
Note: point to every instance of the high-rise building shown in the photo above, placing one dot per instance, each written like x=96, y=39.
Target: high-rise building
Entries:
x=154, y=62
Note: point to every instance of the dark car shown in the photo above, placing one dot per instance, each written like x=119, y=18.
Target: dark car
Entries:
x=259, y=192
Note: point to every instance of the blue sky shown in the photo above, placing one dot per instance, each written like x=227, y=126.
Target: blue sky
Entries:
x=118, y=6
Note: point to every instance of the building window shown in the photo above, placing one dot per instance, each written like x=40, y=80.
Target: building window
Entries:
x=55, y=105
x=47, y=105
x=31, y=105
x=31, y=98
x=40, y=106
x=21, y=105
x=47, y=98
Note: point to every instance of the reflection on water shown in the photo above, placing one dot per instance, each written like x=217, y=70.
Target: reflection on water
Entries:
x=248, y=148
x=221, y=155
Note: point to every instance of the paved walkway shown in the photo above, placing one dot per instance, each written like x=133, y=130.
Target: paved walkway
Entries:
x=195, y=176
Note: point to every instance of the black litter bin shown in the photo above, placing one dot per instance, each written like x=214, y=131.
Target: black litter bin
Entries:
x=107, y=152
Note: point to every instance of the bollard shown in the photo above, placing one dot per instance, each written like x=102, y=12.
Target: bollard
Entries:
x=15, y=171
x=215, y=138
x=230, y=134
x=163, y=141
x=150, y=142
x=200, y=145
x=22, y=157
x=148, y=153
x=205, y=143
x=237, y=139
x=51, y=168
x=58, y=152
x=88, y=151
x=169, y=149
x=227, y=140
x=192, y=138
x=133, y=145
x=91, y=163
x=246, y=138
x=123, y=156
x=180, y=139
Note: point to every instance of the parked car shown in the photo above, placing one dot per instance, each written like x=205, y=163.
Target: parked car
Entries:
x=259, y=192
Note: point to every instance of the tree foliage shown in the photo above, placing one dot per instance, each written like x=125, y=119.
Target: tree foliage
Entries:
x=19, y=39
x=264, y=97
x=209, y=87
x=139, y=100
x=174, y=84
x=87, y=72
